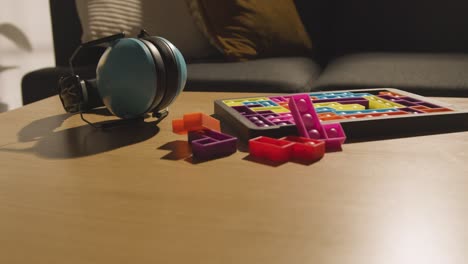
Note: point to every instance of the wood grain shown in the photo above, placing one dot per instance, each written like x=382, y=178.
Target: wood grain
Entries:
x=73, y=194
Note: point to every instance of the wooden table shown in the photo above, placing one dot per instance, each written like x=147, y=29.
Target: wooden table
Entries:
x=73, y=194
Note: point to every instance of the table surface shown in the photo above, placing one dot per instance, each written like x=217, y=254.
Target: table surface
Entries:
x=73, y=194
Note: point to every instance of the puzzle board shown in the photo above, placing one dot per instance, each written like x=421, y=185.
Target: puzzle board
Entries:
x=364, y=114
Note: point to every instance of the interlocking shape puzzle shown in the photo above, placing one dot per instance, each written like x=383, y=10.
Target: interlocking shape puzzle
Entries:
x=363, y=114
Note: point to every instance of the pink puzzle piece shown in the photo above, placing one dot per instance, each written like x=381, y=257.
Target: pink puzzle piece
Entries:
x=309, y=126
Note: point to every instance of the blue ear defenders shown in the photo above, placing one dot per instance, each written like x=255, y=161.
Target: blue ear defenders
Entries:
x=134, y=77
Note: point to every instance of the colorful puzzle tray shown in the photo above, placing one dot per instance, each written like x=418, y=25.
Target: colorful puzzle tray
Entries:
x=366, y=114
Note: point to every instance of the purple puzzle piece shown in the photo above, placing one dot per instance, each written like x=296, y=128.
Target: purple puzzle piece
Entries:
x=209, y=144
x=308, y=124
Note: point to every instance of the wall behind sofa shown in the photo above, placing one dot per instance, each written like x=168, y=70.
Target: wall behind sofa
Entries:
x=25, y=45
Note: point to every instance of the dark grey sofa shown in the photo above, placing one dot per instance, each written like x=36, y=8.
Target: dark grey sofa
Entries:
x=418, y=46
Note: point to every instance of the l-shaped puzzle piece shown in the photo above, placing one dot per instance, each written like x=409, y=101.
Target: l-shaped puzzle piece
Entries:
x=309, y=126
x=209, y=144
x=204, y=136
x=194, y=121
x=287, y=148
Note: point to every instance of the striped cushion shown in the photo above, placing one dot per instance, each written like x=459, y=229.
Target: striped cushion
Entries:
x=168, y=19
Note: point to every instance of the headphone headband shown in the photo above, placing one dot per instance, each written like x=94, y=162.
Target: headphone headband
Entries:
x=93, y=43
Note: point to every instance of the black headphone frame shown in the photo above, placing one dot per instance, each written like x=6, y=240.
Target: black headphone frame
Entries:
x=74, y=95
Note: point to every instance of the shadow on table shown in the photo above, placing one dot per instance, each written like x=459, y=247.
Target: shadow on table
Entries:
x=179, y=149
x=80, y=141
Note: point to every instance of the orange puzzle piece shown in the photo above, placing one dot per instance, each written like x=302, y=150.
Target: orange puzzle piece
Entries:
x=193, y=122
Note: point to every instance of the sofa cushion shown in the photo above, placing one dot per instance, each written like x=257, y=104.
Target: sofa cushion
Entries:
x=426, y=74
x=284, y=75
x=168, y=19
x=245, y=30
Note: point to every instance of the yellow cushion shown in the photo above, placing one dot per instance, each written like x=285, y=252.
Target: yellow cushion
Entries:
x=249, y=29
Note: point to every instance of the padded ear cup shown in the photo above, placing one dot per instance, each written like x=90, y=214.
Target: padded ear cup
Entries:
x=127, y=78
x=138, y=76
x=175, y=67
x=161, y=73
